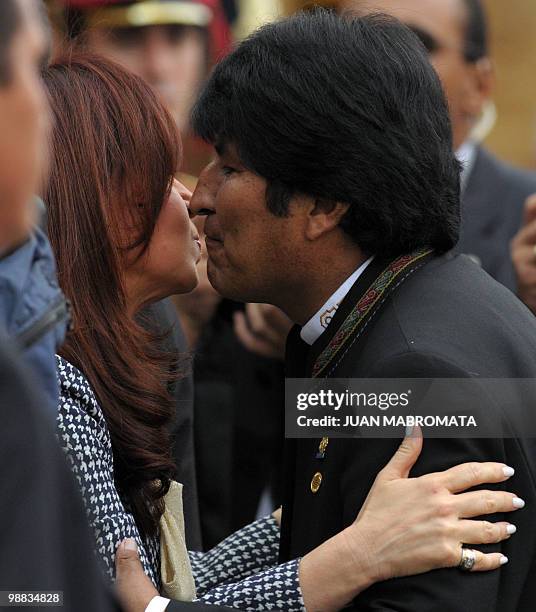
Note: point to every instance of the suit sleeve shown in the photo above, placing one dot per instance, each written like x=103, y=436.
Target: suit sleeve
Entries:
x=445, y=590
x=242, y=572
x=44, y=537
x=247, y=551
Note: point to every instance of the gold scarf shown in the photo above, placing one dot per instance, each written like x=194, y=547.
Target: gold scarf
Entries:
x=177, y=579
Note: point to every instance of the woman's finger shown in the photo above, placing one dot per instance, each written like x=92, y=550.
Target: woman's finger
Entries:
x=484, y=532
x=487, y=562
x=478, y=503
x=468, y=475
x=405, y=457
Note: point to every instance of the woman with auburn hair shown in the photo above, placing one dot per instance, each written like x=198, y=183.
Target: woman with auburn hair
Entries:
x=120, y=228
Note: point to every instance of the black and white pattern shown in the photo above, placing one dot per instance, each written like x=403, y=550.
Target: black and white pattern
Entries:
x=276, y=588
x=241, y=572
x=85, y=439
x=248, y=551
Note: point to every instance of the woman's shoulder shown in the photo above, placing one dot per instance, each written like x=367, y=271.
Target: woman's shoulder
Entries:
x=76, y=393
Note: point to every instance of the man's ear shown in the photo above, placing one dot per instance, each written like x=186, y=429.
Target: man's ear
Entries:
x=323, y=217
x=483, y=78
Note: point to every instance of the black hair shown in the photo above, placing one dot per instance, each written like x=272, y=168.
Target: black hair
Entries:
x=10, y=19
x=346, y=110
x=476, y=31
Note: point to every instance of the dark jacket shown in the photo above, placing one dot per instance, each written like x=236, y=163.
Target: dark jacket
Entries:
x=44, y=536
x=238, y=428
x=492, y=213
x=448, y=319
x=164, y=315
x=33, y=311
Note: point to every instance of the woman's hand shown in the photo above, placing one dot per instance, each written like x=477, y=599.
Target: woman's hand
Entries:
x=434, y=515
x=410, y=526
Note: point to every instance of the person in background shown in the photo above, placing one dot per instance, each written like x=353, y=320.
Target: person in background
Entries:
x=44, y=536
x=33, y=311
x=455, y=34
x=171, y=45
x=523, y=248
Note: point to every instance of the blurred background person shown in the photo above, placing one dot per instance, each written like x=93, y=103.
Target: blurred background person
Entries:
x=455, y=33
x=33, y=311
x=45, y=546
x=523, y=249
x=171, y=44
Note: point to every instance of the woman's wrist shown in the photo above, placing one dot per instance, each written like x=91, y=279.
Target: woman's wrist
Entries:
x=333, y=574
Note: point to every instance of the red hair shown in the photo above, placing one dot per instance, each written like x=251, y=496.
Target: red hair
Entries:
x=115, y=150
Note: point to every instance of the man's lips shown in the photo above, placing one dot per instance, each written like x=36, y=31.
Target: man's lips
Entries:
x=213, y=240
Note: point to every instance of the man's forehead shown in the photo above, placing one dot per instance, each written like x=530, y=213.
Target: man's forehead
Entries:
x=429, y=14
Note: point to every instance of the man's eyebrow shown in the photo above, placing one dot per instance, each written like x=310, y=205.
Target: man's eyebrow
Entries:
x=220, y=147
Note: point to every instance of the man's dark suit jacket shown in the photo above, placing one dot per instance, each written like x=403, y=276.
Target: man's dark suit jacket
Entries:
x=165, y=316
x=448, y=319
x=492, y=213
x=45, y=541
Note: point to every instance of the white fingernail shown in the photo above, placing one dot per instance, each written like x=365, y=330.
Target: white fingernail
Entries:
x=130, y=544
x=503, y=560
x=409, y=430
x=510, y=529
x=518, y=503
x=508, y=471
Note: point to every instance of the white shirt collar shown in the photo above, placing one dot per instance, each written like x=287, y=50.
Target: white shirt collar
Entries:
x=316, y=325
x=466, y=155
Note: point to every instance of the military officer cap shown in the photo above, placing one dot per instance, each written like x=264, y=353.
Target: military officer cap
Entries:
x=207, y=14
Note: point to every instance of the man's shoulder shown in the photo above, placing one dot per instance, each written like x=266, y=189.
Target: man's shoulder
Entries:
x=491, y=170
x=448, y=315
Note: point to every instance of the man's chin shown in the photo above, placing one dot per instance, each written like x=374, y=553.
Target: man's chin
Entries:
x=225, y=283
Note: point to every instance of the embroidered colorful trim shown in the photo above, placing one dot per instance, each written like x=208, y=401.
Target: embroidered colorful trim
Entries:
x=364, y=306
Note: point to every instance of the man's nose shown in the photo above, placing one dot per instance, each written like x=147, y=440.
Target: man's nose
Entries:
x=204, y=195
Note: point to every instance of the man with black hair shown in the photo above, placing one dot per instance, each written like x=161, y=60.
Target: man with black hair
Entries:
x=334, y=195
x=455, y=34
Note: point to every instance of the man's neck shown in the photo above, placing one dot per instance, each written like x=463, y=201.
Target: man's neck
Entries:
x=318, y=284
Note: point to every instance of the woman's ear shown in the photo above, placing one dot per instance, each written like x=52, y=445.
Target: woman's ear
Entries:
x=323, y=217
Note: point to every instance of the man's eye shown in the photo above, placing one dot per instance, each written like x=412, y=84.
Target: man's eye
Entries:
x=227, y=170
